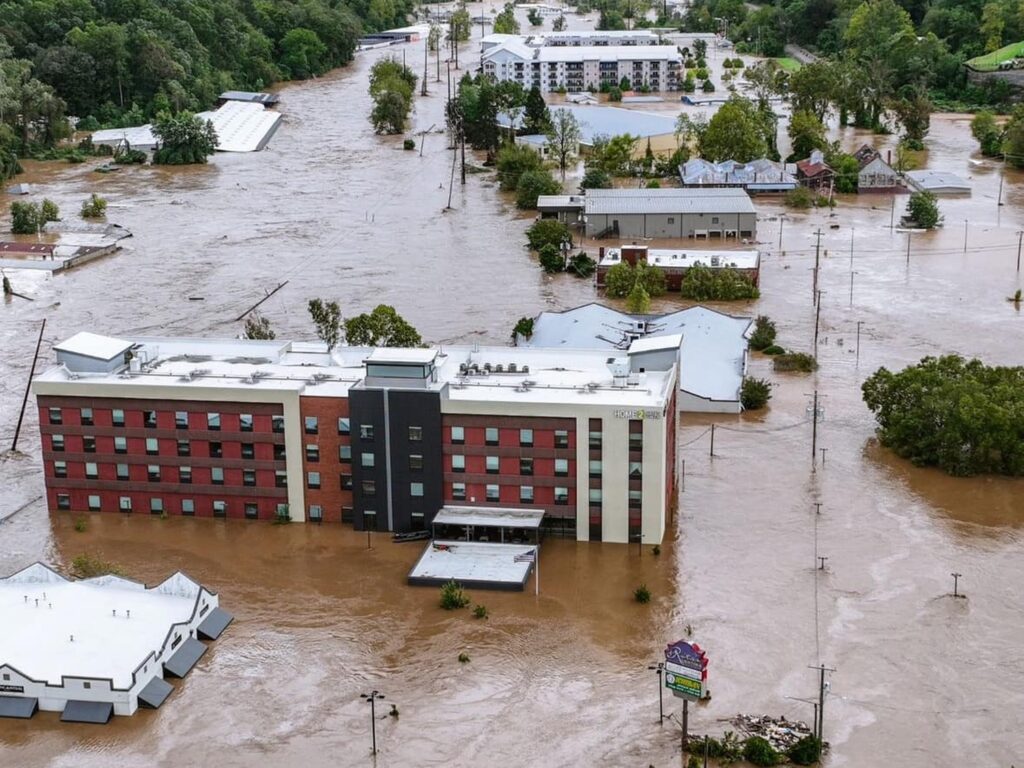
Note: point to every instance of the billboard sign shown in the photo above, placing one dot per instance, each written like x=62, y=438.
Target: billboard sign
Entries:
x=686, y=670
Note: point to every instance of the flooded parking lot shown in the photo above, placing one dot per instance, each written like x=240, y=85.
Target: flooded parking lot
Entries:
x=921, y=679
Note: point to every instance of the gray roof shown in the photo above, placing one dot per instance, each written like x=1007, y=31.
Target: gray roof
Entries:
x=625, y=201
x=763, y=171
x=155, y=693
x=22, y=707
x=98, y=712
x=937, y=181
x=181, y=663
x=214, y=624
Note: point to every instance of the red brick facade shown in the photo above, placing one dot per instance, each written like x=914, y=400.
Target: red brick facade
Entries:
x=333, y=432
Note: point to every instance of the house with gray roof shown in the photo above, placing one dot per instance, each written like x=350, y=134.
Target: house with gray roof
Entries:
x=720, y=212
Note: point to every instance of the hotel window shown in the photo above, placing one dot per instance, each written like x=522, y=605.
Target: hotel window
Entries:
x=493, y=465
x=415, y=434
x=181, y=419
x=368, y=487
x=149, y=418
x=57, y=442
x=220, y=508
x=312, y=452
x=316, y=513
x=213, y=421
x=458, y=435
x=280, y=479
x=125, y=503
x=279, y=454
x=345, y=454
x=91, y=470
x=368, y=459
x=122, y=472
x=458, y=463
x=526, y=494
x=63, y=501
x=94, y=503
x=344, y=426
x=248, y=451
x=188, y=507
x=561, y=495
x=636, y=435
x=245, y=422
x=366, y=431
x=346, y=514
x=86, y=417
x=185, y=475
x=312, y=425
x=216, y=450
x=60, y=468
x=249, y=477
x=561, y=467
x=152, y=472
x=313, y=479
x=526, y=466
x=117, y=417
x=595, y=468
x=416, y=489
x=89, y=444
x=459, y=491
x=415, y=461
x=152, y=446
x=595, y=497
x=346, y=482
x=596, y=436
x=636, y=499
x=526, y=438
x=56, y=417
x=156, y=506
x=217, y=475
x=561, y=438
x=493, y=493
x=252, y=510
x=636, y=469
x=491, y=435
x=277, y=424
x=184, y=448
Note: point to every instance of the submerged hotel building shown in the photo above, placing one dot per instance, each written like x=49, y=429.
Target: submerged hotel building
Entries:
x=381, y=438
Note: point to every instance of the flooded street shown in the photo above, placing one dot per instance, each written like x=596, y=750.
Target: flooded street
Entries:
x=921, y=680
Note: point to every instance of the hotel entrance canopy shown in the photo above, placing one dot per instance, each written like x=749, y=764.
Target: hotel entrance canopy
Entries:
x=489, y=517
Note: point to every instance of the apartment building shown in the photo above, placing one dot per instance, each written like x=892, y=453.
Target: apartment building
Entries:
x=381, y=439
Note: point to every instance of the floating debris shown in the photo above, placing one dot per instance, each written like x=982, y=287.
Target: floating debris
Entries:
x=781, y=733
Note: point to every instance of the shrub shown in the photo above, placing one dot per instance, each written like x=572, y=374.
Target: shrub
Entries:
x=642, y=594
x=656, y=550
x=807, y=751
x=129, y=156
x=701, y=73
x=923, y=208
x=755, y=393
x=533, y=184
x=551, y=259
x=94, y=208
x=689, y=84
x=759, y=752
x=49, y=211
x=581, y=265
x=708, y=87
x=701, y=283
x=764, y=333
x=514, y=160
x=480, y=612
x=595, y=178
x=86, y=566
x=801, y=198
x=774, y=349
x=523, y=327
x=453, y=597
x=463, y=658
x=728, y=749
x=25, y=218
x=623, y=277
x=795, y=361
x=638, y=302
x=694, y=762
x=409, y=144
x=654, y=184
x=547, y=231
x=81, y=524
x=615, y=93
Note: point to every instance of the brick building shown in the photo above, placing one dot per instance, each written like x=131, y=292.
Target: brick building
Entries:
x=378, y=438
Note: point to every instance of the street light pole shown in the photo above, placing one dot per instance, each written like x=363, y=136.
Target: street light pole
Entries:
x=859, y=324
x=956, y=583
x=372, y=697
x=659, y=668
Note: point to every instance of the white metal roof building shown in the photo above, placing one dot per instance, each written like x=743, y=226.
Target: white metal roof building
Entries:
x=938, y=182
x=712, y=346
x=670, y=213
x=100, y=646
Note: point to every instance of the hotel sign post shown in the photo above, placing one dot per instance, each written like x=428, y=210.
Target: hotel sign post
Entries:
x=686, y=674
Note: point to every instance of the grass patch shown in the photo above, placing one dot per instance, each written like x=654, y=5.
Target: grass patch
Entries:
x=990, y=61
x=788, y=63
x=795, y=361
x=86, y=566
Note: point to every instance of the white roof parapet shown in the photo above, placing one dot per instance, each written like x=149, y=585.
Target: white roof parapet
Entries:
x=94, y=345
x=414, y=356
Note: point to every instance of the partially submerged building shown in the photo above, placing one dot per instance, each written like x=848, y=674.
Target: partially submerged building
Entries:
x=711, y=346
x=676, y=262
x=938, y=182
x=761, y=176
x=378, y=438
x=669, y=213
x=98, y=647
x=814, y=173
x=875, y=174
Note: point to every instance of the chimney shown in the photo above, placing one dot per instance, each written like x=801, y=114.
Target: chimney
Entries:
x=634, y=253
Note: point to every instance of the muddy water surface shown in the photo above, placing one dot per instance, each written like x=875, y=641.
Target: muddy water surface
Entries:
x=921, y=679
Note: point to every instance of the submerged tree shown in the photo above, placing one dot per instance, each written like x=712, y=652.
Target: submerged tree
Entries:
x=564, y=137
x=185, y=139
x=326, y=316
x=383, y=327
x=258, y=327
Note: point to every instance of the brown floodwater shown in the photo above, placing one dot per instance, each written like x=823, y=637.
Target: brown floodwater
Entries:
x=921, y=679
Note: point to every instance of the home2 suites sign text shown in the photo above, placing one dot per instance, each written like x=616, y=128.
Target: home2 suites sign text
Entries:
x=638, y=413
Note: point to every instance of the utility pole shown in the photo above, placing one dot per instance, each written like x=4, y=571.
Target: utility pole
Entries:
x=372, y=697
x=965, y=235
x=892, y=215
x=426, y=52
x=782, y=221
x=851, y=248
x=817, y=507
x=821, y=560
x=814, y=432
x=823, y=452
x=712, y=451
x=659, y=668
x=851, y=288
x=820, y=719
x=908, y=248
x=859, y=324
x=1020, y=239
x=817, y=261
x=1000, y=201
x=817, y=318
x=28, y=386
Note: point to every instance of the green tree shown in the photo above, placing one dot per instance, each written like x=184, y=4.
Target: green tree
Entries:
x=48, y=211
x=383, y=327
x=505, y=22
x=548, y=231
x=533, y=16
x=704, y=283
x=813, y=88
x=551, y=258
x=258, y=327
x=533, y=184
x=94, y=208
x=736, y=132
x=913, y=110
x=612, y=155
x=536, y=118
x=638, y=302
x=326, y=317
x=563, y=137
x=26, y=218
x=459, y=25
x=623, y=277
x=513, y=161
x=524, y=328
x=1013, y=138
x=755, y=393
x=992, y=26
x=764, y=333
x=847, y=172
x=923, y=208
x=987, y=132
x=185, y=139
x=558, y=25
x=806, y=134
x=302, y=53
x=389, y=113
x=595, y=178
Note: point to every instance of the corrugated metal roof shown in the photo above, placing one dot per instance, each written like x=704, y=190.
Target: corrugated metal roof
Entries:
x=626, y=201
x=98, y=712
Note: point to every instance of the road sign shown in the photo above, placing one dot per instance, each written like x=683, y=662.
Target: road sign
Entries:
x=686, y=670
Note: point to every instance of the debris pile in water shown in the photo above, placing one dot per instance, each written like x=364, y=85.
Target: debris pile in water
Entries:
x=779, y=732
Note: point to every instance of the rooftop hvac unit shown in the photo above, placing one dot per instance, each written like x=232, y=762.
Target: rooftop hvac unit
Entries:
x=512, y=367
x=463, y=368
x=633, y=380
x=487, y=367
x=716, y=261
x=526, y=369
x=499, y=368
